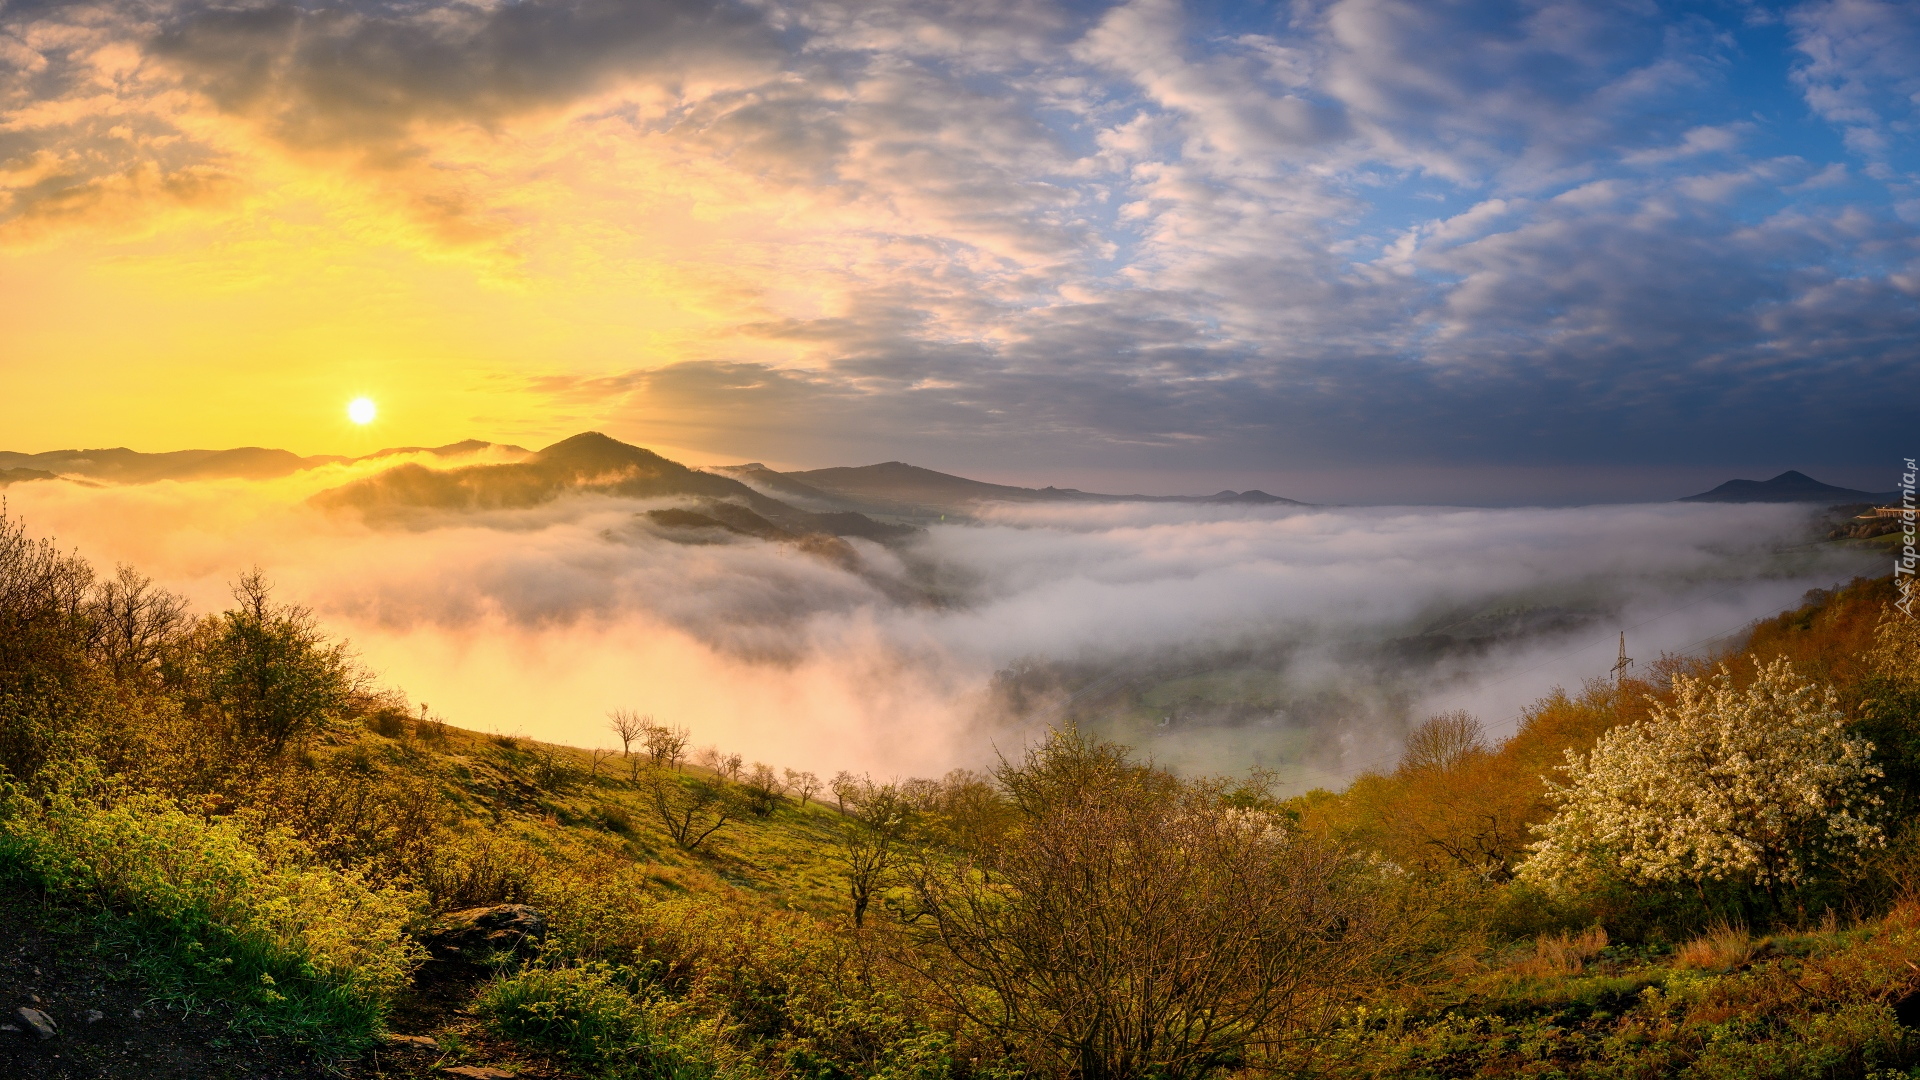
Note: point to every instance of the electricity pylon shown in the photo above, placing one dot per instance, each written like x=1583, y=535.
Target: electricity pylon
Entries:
x=1621, y=665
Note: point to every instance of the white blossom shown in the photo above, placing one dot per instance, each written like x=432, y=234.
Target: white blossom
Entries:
x=1760, y=785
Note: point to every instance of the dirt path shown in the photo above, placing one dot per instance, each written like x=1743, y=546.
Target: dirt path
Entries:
x=110, y=1029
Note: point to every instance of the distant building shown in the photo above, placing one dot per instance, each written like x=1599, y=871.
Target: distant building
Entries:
x=1884, y=512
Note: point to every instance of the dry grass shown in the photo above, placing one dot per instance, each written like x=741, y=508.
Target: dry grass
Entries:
x=1723, y=947
x=1562, y=954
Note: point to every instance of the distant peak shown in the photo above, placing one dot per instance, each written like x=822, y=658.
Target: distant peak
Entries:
x=587, y=438
x=1790, y=486
x=591, y=451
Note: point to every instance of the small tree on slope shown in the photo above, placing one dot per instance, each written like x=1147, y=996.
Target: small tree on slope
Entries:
x=1759, y=786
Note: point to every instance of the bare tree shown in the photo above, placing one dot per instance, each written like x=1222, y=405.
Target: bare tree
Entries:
x=872, y=837
x=762, y=786
x=692, y=808
x=845, y=786
x=963, y=811
x=729, y=766
x=1138, y=926
x=133, y=623
x=803, y=785
x=666, y=745
x=43, y=643
x=1443, y=742
x=629, y=726
x=599, y=756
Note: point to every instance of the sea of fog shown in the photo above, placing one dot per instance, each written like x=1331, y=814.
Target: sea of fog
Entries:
x=539, y=622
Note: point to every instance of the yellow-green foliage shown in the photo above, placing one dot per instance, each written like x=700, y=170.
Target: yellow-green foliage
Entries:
x=225, y=908
x=775, y=986
x=613, y=1025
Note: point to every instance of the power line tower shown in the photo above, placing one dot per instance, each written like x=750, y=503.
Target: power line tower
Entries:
x=1621, y=665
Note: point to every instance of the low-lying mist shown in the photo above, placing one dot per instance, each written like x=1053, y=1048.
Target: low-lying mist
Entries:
x=1214, y=638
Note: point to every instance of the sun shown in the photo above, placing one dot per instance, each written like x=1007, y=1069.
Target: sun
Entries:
x=362, y=410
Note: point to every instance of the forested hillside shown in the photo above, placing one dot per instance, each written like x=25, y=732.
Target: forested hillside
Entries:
x=1709, y=870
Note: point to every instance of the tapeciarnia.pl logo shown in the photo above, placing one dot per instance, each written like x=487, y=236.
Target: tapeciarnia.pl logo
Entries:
x=1903, y=565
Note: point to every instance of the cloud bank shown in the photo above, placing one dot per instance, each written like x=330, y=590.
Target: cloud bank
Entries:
x=1318, y=625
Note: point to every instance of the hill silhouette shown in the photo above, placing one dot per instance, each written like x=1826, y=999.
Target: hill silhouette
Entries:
x=1791, y=486
x=123, y=466
x=586, y=463
x=21, y=476
x=904, y=487
x=120, y=465
x=590, y=461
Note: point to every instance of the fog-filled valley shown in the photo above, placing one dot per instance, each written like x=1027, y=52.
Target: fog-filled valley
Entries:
x=1212, y=635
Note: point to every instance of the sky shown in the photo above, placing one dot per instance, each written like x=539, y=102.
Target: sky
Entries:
x=1343, y=250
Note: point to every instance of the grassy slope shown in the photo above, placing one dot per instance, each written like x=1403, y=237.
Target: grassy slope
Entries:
x=779, y=861
x=540, y=798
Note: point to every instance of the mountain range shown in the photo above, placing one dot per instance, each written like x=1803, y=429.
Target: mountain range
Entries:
x=834, y=501
x=592, y=463
x=897, y=488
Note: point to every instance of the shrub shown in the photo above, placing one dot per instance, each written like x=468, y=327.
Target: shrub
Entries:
x=1759, y=786
x=389, y=722
x=471, y=869
x=614, y=818
x=46, y=685
x=1563, y=954
x=350, y=810
x=263, y=672
x=592, y=1017
x=1138, y=926
x=761, y=786
x=247, y=916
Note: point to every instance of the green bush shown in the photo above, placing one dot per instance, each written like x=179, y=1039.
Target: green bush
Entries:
x=220, y=908
x=595, y=1019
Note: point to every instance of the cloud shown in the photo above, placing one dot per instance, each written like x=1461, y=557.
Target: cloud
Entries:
x=1860, y=69
x=361, y=77
x=1150, y=234
x=1523, y=94
x=540, y=621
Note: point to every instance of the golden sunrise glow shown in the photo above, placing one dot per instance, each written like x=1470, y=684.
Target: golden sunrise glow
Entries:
x=362, y=410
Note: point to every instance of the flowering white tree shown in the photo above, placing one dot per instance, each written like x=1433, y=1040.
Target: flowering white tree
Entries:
x=1759, y=786
x=1896, y=650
